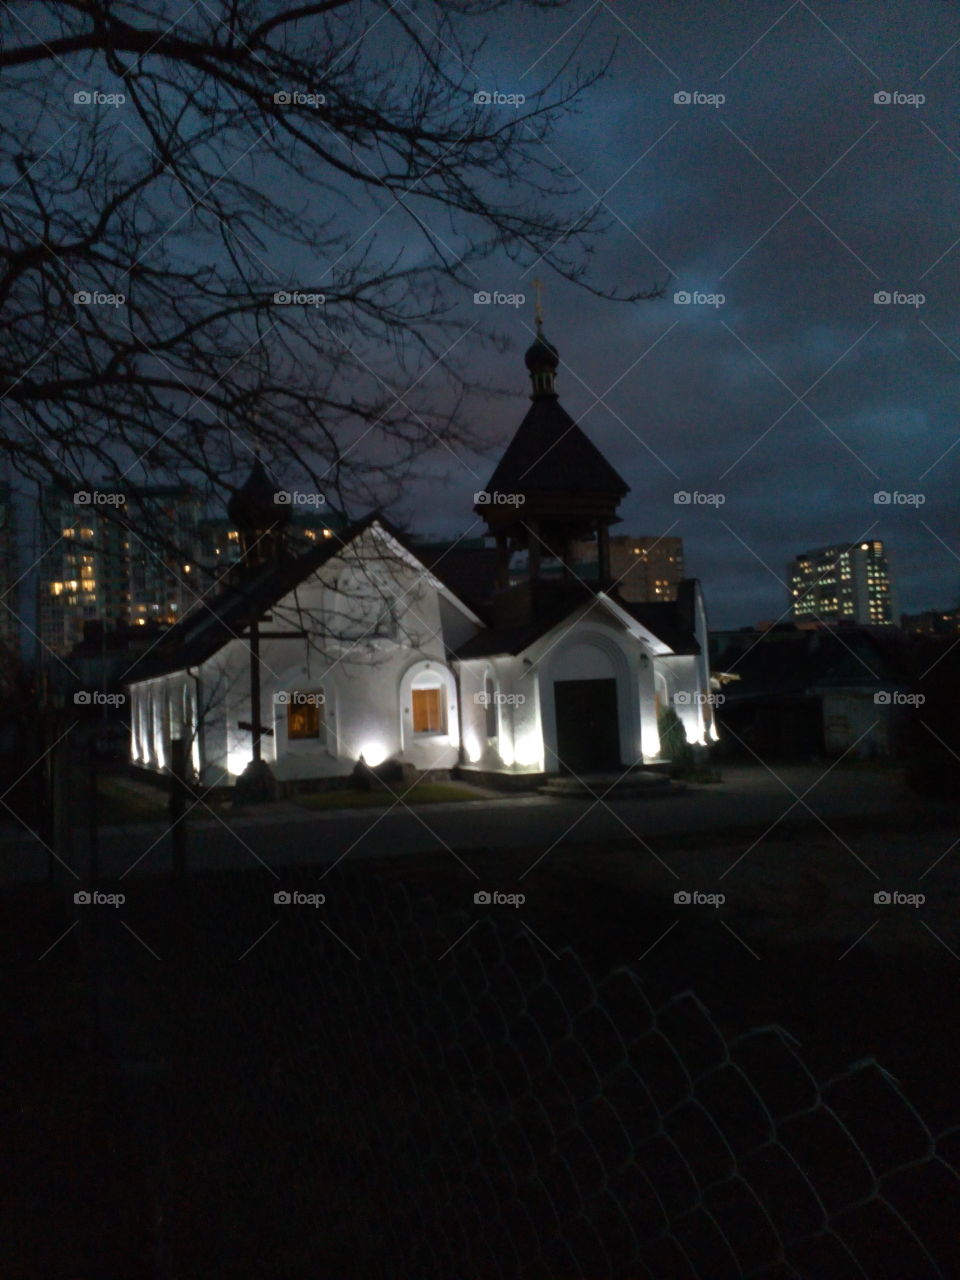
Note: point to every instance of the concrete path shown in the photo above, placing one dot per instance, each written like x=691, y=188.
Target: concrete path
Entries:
x=285, y=835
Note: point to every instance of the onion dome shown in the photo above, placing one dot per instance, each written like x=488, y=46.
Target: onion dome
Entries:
x=542, y=359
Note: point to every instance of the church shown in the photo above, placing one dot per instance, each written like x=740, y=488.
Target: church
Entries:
x=500, y=660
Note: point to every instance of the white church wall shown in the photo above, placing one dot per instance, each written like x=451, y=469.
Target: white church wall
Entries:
x=687, y=697
x=593, y=648
x=516, y=745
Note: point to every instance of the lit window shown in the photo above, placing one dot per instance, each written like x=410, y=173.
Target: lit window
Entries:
x=429, y=710
x=304, y=715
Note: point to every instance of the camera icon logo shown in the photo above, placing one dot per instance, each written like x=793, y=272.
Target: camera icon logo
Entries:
x=82, y=898
x=282, y=698
x=482, y=699
x=480, y=499
x=281, y=498
x=882, y=98
x=682, y=498
x=682, y=699
x=482, y=298
x=282, y=298
x=682, y=897
x=882, y=898
x=83, y=97
x=682, y=98
x=482, y=898
x=882, y=699
x=281, y=897
x=882, y=498
x=483, y=98
x=682, y=298
x=82, y=498
x=882, y=298
x=282, y=99
x=82, y=298
x=82, y=698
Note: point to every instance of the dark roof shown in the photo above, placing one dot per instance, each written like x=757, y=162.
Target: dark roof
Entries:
x=667, y=620
x=469, y=572
x=550, y=454
x=213, y=622
x=555, y=605
x=794, y=662
x=253, y=507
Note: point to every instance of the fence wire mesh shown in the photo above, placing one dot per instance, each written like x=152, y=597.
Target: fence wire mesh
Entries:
x=366, y=1088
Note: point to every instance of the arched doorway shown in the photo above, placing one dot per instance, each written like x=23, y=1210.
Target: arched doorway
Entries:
x=587, y=696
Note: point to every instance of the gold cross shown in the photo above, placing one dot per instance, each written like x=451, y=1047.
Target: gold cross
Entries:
x=538, y=312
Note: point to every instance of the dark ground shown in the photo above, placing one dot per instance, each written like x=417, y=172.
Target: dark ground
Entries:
x=83, y=1122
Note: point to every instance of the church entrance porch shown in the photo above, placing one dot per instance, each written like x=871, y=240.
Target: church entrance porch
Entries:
x=588, y=729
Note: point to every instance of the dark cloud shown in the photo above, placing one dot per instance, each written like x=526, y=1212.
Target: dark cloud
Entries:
x=705, y=397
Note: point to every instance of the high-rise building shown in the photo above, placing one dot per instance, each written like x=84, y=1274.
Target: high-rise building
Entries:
x=644, y=569
x=846, y=582
x=100, y=566
x=97, y=566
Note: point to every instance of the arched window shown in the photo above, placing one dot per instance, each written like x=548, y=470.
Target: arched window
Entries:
x=428, y=704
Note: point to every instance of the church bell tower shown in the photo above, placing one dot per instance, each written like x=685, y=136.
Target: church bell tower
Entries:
x=552, y=487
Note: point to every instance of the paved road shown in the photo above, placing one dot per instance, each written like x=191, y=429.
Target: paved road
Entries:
x=287, y=836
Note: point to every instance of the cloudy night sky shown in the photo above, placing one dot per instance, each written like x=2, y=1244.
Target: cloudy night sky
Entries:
x=797, y=198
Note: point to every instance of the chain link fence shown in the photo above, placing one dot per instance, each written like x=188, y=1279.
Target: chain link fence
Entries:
x=362, y=1087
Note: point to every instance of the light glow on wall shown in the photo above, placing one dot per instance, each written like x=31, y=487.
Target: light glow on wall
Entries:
x=237, y=760
x=527, y=748
x=471, y=744
x=373, y=753
x=649, y=737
